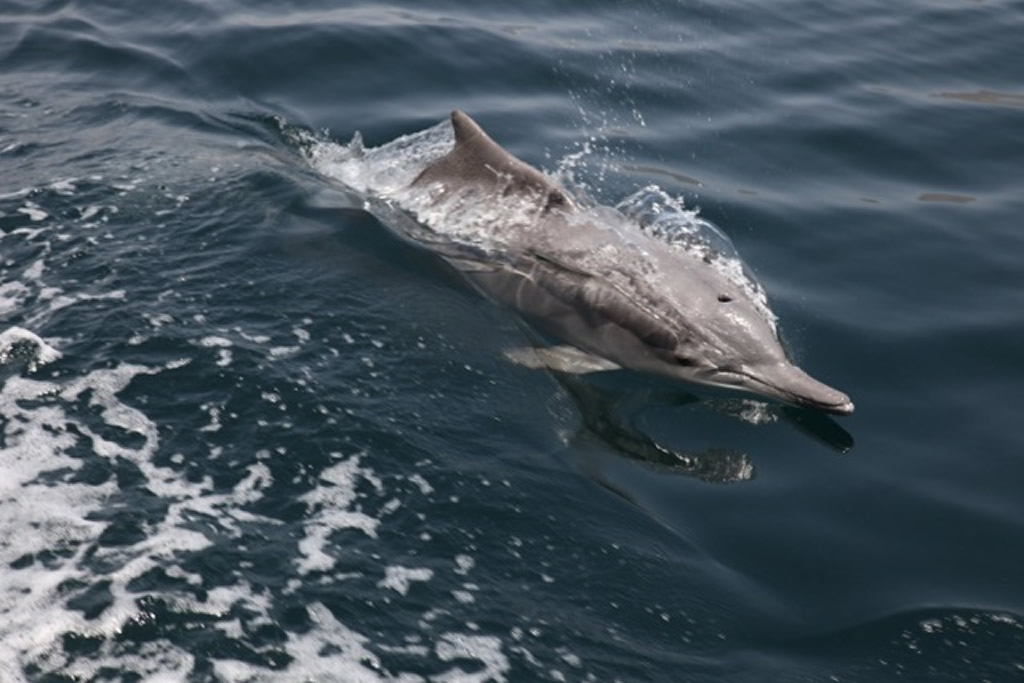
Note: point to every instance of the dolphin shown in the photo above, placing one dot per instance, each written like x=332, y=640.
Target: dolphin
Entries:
x=604, y=287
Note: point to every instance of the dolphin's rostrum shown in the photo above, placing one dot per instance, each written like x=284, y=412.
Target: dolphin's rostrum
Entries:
x=607, y=288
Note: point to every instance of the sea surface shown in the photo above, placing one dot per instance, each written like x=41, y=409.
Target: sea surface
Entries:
x=251, y=433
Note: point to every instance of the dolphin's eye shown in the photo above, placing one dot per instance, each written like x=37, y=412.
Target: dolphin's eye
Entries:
x=686, y=362
x=724, y=298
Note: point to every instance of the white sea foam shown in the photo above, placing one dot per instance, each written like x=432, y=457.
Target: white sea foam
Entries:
x=399, y=579
x=39, y=353
x=332, y=511
x=213, y=341
x=424, y=486
x=38, y=442
x=12, y=297
x=64, y=187
x=34, y=213
x=223, y=347
x=465, y=563
x=59, y=300
x=214, y=412
x=33, y=603
x=52, y=517
x=277, y=352
x=254, y=338
x=484, y=649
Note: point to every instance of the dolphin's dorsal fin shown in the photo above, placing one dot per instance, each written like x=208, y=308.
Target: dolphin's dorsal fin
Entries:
x=466, y=129
x=478, y=160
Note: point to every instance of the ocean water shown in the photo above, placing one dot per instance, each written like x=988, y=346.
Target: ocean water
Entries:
x=250, y=433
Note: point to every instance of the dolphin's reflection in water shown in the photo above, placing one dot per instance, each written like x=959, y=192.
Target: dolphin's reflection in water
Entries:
x=603, y=417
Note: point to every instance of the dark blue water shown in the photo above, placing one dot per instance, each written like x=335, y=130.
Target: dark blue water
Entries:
x=250, y=435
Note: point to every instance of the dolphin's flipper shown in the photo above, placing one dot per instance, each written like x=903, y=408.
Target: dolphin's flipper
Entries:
x=567, y=359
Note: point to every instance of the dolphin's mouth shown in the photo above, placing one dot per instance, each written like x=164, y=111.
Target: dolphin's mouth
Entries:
x=789, y=384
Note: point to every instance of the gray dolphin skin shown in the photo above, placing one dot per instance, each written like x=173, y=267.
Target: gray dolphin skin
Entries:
x=619, y=294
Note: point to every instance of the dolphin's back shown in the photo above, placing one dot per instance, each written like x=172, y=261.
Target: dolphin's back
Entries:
x=575, y=306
